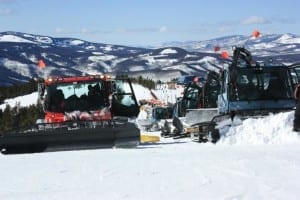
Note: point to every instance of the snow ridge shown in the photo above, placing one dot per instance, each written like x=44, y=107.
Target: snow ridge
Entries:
x=272, y=129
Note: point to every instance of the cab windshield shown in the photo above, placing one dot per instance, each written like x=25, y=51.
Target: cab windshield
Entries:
x=267, y=84
x=82, y=96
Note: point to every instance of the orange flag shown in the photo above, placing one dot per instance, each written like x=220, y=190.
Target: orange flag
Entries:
x=224, y=55
x=255, y=33
x=41, y=64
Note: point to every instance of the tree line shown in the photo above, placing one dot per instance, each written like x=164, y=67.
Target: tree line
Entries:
x=7, y=92
x=19, y=118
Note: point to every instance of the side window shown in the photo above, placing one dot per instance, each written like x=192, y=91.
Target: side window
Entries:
x=224, y=82
x=295, y=73
x=123, y=101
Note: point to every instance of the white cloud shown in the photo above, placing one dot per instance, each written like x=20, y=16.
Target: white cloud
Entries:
x=85, y=30
x=255, y=20
x=225, y=28
x=142, y=30
x=163, y=29
x=121, y=30
x=59, y=30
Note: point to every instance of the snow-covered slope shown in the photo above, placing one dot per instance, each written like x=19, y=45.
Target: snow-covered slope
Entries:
x=256, y=160
x=171, y=170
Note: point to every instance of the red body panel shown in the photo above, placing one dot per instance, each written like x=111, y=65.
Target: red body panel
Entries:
x=53, y=117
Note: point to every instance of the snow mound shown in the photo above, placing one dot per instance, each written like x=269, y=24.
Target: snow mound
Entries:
x=272, y=129
x=45, y=40
x=168, y=51
x=76, y=42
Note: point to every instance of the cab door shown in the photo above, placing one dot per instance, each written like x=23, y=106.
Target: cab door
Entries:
x=124, y=102
x=295, y=73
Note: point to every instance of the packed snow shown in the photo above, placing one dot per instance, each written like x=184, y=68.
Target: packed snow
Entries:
x=258, y=159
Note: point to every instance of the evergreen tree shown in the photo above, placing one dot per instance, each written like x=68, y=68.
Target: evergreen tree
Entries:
x=19, y=118
x=7, y=119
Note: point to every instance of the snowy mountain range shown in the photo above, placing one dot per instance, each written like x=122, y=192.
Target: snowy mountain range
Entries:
x=265, y=45
x=20, y=53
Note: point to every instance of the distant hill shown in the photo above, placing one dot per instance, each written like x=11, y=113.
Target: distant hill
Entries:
x=20, y=53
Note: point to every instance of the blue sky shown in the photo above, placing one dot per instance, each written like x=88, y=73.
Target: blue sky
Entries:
x=148, y=22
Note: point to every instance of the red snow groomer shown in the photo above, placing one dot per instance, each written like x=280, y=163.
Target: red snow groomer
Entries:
x=81, y=112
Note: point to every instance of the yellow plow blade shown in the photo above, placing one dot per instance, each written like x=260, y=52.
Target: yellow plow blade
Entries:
x=149, y=138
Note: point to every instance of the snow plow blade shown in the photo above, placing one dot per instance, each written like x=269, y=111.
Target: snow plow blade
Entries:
x=195, y=116
x=60, y=139
x=149, y=138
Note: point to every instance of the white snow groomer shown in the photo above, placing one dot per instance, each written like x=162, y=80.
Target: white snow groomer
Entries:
x=188, y=109
x=247, y=89
x=80, y=112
